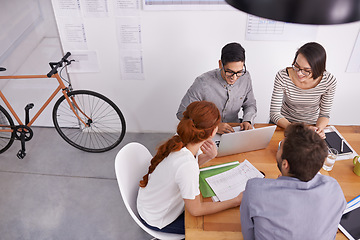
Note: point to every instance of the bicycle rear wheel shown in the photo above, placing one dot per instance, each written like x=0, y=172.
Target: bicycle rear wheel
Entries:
x=6, y=134
x=105, y=123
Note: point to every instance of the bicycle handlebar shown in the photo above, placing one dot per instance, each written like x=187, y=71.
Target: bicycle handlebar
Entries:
x=56, y=65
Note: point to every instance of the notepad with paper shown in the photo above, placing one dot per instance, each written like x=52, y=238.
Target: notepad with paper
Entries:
x=231, y=183
x=206, y=172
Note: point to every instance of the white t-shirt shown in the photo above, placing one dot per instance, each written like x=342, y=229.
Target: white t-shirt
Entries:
x=174, y=179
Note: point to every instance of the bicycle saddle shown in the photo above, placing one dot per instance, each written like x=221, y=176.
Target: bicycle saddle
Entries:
x=2, y=69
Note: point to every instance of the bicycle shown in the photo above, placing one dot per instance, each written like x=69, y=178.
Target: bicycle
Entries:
x=85, y=119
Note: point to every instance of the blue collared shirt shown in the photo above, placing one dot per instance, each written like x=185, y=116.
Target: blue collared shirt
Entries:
x=287, y=208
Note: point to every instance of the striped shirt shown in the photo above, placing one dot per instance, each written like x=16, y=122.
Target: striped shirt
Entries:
x=301, y=105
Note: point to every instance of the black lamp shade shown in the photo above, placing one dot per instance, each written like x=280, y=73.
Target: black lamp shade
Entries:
x=317, y=12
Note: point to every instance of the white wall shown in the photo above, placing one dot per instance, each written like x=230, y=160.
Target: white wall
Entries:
x=180, y=45
x=29, y=42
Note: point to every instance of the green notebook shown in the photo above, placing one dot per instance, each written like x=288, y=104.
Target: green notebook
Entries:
x=206, y=172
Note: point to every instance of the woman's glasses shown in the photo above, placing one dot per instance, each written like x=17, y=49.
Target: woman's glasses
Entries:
x=303, y=71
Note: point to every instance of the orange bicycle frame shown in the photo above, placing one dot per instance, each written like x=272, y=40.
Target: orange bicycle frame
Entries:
x=60, y=87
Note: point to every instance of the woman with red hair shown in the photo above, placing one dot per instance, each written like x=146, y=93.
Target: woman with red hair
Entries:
x=172, y=181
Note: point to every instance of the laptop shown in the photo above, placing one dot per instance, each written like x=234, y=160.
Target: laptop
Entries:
x=243, y=141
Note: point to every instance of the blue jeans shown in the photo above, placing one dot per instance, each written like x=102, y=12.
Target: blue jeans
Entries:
x=177, y=226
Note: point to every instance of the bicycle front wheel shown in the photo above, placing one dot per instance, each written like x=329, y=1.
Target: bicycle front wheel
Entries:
x=104, y=126
x=6, y=126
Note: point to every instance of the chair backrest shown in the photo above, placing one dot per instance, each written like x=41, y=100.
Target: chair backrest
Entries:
x=131, y=164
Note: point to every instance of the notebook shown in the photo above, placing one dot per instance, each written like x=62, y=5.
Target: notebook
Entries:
x=243, y=141
x=333, y=140
x=231, y=183
x=206, y=172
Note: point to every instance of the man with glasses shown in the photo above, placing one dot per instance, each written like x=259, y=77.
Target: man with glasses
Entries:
x=300, y=203
x=229, y=87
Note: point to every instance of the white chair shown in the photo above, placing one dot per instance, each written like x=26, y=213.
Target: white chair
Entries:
x=131, y=164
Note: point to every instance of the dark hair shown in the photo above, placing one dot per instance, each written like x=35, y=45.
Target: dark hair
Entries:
x=315, y=54
x=232, y=52
x=304, y=150
x=199, y=121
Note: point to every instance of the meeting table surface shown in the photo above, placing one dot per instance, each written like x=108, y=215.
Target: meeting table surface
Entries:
x=226, y=224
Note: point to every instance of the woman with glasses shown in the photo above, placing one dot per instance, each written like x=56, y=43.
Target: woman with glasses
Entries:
x=305, y=91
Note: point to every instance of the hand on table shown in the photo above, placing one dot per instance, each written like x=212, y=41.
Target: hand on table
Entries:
x=319, y=131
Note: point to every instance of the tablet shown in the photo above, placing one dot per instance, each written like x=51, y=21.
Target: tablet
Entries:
x=333, y=140
x=350, y=222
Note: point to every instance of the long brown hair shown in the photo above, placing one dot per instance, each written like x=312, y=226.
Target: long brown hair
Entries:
x=199, y=121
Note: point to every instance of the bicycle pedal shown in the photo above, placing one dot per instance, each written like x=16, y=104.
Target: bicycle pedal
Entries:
x=21, y=154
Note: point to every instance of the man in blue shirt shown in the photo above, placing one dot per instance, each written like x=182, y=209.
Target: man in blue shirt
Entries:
x=229, y=87
x=300, y=204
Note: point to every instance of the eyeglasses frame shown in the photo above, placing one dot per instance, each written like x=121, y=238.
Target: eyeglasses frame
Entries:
x=302, y=70
x=242, y=72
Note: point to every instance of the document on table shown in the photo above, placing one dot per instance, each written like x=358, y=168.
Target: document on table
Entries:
x=231, y=183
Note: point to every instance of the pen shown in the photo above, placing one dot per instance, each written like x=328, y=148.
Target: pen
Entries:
x=342, y=145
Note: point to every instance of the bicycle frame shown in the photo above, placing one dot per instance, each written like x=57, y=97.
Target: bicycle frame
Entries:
x=60, y=87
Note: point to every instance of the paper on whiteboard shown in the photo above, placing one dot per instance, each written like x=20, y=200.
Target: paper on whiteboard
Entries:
x=229, y=184
x=126, y=7
x=129, y=32
x=72, y=33
x=263, y=29
x=85, y=62
x=95, y=8
x=67, y=8
x=131, y=65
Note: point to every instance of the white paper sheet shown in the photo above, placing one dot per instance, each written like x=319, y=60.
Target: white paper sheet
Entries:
x=229, y=184
x=95, y=8
x=131, y=65
x=129, y=32
x=72, y=33
x=67, y=8
x=126, y=7
x=85, y=61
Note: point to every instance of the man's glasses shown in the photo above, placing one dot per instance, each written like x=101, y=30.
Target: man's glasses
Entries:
x=303, y=71
x=230, y=73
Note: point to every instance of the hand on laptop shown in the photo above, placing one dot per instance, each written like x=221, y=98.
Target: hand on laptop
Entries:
x=225, y=128
x=245, y=126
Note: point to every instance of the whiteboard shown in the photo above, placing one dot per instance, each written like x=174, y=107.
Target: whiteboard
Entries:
x=354, y=61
